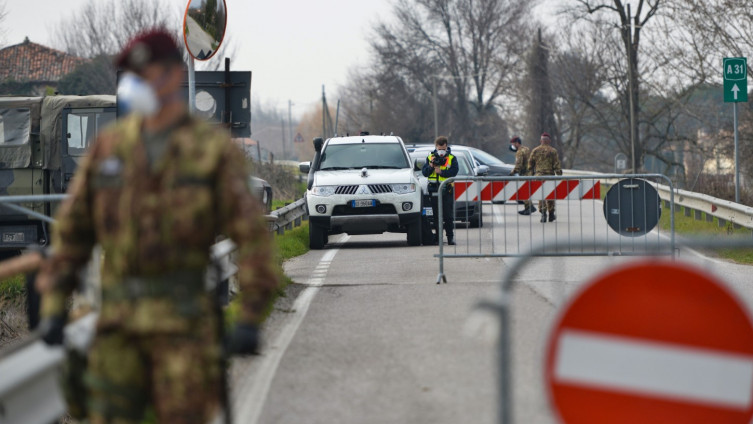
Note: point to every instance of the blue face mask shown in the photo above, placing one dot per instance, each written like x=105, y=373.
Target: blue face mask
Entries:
x=136, y=95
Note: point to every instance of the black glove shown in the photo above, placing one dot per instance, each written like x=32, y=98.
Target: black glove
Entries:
x=51, y=330
x=244, y=340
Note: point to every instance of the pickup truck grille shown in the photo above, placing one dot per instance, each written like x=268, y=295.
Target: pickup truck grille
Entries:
x=349, y=189
x=380, y=188
x=374, y=188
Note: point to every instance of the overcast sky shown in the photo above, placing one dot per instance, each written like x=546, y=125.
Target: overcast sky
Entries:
x=292, y=47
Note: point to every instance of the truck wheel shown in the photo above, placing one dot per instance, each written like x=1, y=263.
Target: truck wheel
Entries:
x=414, y=233
x=317, y=237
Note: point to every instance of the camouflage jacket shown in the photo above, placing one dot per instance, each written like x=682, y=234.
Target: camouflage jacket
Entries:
x=521, y=161
x=544, y=160
x=160, y=221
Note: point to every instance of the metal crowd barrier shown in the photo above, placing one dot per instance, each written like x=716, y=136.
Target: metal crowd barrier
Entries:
x=504, y=302
x=628, y=216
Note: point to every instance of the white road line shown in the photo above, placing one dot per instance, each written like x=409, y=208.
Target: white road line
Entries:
x=250, y=397
x=653, y=369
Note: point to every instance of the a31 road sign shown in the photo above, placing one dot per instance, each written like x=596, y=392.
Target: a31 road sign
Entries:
x=735, y=79
x=649, y=343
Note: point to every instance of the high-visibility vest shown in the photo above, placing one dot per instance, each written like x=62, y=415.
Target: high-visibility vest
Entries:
x=447, y=164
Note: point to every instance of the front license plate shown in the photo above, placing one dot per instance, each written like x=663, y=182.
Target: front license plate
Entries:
x=428, y=212
x=13, y=237
x=363, y=203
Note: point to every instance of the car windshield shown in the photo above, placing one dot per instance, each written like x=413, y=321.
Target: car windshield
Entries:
x=363, y=155
x=485, y=158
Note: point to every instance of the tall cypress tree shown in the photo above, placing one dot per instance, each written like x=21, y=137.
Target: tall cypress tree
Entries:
x=539, y=112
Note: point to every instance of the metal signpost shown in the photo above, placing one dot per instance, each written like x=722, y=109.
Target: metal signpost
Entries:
x=735, y=91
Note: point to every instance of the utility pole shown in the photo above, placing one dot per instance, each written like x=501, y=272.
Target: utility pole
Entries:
x=290, y=120
x=324, y=109
x=630, y=86
x=434, y=100
x=282, y=127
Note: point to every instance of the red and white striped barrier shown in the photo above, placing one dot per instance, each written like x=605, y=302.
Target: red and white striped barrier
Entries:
x=499, y=191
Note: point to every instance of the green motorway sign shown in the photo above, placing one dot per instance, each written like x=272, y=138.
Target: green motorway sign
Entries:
x=735, y=79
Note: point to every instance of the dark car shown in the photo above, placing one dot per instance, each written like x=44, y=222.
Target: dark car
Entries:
x=496, y=166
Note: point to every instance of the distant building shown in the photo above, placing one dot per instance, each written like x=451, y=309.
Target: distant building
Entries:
x=29, y=69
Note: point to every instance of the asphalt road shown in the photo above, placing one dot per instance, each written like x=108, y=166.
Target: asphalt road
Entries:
x=366, y=336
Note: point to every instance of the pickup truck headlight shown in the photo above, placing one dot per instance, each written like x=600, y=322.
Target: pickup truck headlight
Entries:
x=403, y=188
x=323, y=190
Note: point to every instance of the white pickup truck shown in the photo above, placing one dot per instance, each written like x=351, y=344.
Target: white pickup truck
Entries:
x=362, y=185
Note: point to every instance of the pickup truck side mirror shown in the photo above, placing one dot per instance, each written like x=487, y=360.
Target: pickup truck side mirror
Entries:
x=418, y=163
x=482, y=170
x=304, y=167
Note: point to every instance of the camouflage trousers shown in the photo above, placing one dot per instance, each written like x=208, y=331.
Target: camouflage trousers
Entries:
x=175, y=376
x=547, y=205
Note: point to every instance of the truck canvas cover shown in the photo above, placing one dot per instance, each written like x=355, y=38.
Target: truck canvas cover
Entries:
x=52, y=125
x=16, y=117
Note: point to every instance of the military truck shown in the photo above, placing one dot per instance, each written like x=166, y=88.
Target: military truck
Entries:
x=42, y=140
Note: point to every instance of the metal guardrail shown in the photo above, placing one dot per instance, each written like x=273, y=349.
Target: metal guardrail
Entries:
x=696, y=204
x=29, y=388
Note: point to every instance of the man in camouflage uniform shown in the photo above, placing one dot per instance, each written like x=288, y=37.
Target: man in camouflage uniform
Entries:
x=521, y=168
x=545, y=160
x=154, y=192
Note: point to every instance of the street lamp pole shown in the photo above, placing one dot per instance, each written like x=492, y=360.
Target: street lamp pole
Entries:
x=434, y=101
x=630, y=87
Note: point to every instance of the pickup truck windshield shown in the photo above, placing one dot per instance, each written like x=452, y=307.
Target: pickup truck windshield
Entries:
x=363, y=155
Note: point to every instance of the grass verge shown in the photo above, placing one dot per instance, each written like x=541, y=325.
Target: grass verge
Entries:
x=689, y=226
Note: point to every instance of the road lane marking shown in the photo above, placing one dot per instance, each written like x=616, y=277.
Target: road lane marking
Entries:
x=677, y=372
x=252, y=395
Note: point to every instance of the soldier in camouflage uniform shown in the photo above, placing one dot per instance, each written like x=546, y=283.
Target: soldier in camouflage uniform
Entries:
x=545, y=160
x=521, y=168
x=154, y=192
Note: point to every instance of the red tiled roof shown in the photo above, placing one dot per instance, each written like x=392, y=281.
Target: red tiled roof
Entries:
x=34, y=62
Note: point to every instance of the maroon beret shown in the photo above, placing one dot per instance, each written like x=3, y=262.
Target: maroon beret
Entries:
x=151, y=46
x=545, y=135
x=515, y=139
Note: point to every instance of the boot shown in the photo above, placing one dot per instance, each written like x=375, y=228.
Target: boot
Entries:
x=451, y=240
x=525, y=211
x=543, y=216
x=552, y=216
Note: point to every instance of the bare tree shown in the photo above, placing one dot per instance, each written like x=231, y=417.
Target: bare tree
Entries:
x=540, y=104
x=104, y=27
x=629, y=24
x=578, y=75
x=3, y=16
x=463, y=52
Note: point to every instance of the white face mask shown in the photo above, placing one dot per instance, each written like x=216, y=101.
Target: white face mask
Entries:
x=441, y=152
x=136, y=95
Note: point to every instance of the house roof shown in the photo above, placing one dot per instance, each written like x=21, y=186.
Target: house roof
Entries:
x=32, y=62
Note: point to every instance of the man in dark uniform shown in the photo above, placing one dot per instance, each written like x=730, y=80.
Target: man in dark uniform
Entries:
x=440, y=165
x=155, y=191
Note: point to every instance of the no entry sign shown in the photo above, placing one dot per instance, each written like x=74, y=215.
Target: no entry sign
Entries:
x=652, y=343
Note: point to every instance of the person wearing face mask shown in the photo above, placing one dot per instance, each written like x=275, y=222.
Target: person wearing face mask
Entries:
x=440, y=165
x=155, y=191
x=521, y=168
